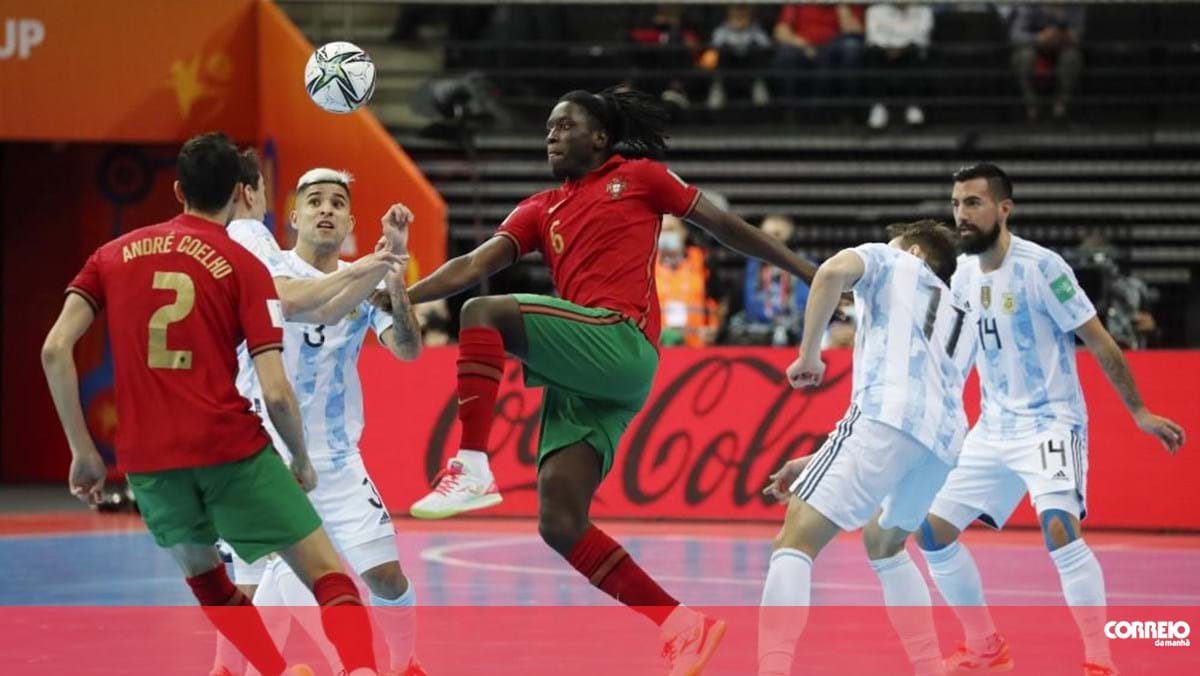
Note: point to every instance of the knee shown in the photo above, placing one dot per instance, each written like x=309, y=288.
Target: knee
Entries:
x=561, y=529
x=1059, y=528
x=478, y=311
x=386, y=581
x=882, y=544
x=936, y=534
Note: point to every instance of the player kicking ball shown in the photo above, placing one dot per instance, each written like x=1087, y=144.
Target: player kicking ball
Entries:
x=321, y=360
x=1032, y=434
x=593, y=349
x=182, y=295
x=895, y=445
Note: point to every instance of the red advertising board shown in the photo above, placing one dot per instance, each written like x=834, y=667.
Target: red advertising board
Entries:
x=718, y=421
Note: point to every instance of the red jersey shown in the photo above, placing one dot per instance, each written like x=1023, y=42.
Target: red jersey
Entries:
x=181, y=297
x=817, y=25
x=599, y=235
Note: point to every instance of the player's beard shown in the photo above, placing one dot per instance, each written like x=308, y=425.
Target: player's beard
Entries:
x=982, y=241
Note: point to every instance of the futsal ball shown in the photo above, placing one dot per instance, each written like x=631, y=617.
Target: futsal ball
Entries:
x=339, y=77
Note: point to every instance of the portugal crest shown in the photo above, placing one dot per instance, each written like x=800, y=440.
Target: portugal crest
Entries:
x=615, y=187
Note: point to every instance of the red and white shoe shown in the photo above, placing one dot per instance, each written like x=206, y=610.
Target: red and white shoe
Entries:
x=689, y=641
x=967, y=661
x=457, y=490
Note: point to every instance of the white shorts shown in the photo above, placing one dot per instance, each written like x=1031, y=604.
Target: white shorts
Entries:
x=866, y=464
x=993, y=476
x=352, y=513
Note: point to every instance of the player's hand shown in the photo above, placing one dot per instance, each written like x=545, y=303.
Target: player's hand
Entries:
x=87, y=476
x=395, y=227
x=784, y=477
x=806, y=371
x=1168, y=432
x=395, y=262
x=303, y=470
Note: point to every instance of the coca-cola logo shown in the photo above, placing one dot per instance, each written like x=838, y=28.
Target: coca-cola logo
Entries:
x=714, y=430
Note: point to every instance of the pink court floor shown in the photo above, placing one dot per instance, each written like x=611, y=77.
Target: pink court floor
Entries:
x=490, y=588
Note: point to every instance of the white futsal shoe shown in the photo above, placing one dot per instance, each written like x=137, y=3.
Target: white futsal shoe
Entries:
x=458, y=489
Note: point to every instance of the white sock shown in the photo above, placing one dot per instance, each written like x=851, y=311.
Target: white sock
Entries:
x=476, y=462
x=303, y=608
x=909, y=609
x=402, y=637
x=229, y=657
x=1083, y=587
x=957, y=578
x=787, y=594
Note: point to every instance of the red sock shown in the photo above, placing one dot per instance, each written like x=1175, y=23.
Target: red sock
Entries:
x=243, y=626
x=345, y=620
x=607, y=565
x=480, y=367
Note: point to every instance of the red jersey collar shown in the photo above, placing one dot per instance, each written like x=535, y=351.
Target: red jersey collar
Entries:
x=615, y=160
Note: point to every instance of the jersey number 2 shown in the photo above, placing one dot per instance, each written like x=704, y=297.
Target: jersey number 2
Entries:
x=159, y=356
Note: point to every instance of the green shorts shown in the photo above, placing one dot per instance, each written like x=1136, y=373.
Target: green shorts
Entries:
x=596, y=367
x=253, y=504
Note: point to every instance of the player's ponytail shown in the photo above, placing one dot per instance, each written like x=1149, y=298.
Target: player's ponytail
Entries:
x=635, y=120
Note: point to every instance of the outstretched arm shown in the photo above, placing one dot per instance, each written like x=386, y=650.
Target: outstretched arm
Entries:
x=459, y=274
x=58, y=361
x=1108, y=355
x=328, y=299
x=735, y=233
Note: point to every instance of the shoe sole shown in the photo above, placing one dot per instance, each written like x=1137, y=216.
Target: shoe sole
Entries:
x=706, y=652
x=1007, y=666
x=481, y=502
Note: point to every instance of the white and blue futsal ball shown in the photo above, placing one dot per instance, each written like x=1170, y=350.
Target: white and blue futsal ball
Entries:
x=339, y=77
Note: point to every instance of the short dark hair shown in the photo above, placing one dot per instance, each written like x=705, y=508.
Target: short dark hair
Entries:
x=208, y=168
x=938, y=242
x=250, y=168
x=999, y=184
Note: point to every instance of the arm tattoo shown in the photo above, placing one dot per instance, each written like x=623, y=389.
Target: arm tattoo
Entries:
x=1117, y=370
x=406, y=334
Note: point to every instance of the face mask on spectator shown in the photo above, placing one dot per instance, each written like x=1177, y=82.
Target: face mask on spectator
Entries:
x=670, y=242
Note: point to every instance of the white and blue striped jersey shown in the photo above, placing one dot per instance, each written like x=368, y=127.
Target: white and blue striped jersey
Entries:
x=912, y=350
x=258, y=240
x=322, y=364
x=1028, y=311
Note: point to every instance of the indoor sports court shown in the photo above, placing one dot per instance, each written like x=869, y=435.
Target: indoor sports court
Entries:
x=530, y=302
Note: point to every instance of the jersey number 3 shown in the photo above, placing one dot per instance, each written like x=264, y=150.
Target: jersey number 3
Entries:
x=159, y=356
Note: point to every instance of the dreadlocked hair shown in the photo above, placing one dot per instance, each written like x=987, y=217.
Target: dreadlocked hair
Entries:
x=634, y=119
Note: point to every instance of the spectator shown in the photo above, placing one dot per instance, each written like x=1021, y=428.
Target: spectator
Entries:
x=739, y=43
x=1045, y=41
x=678, y=49
x=689, y=315
x=773, y=301
x=897, y=39
x=1121, y=300
x=824, y=37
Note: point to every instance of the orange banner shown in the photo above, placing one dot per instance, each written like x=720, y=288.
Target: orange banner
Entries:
x=79, y=70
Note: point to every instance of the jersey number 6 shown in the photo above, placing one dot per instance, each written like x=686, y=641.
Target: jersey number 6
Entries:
x=556, y=238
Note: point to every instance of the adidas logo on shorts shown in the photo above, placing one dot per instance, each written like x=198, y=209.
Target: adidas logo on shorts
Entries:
x=1060, y=475
x=385, y=518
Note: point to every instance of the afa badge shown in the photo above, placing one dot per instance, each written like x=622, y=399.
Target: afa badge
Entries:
x=1008, y=303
